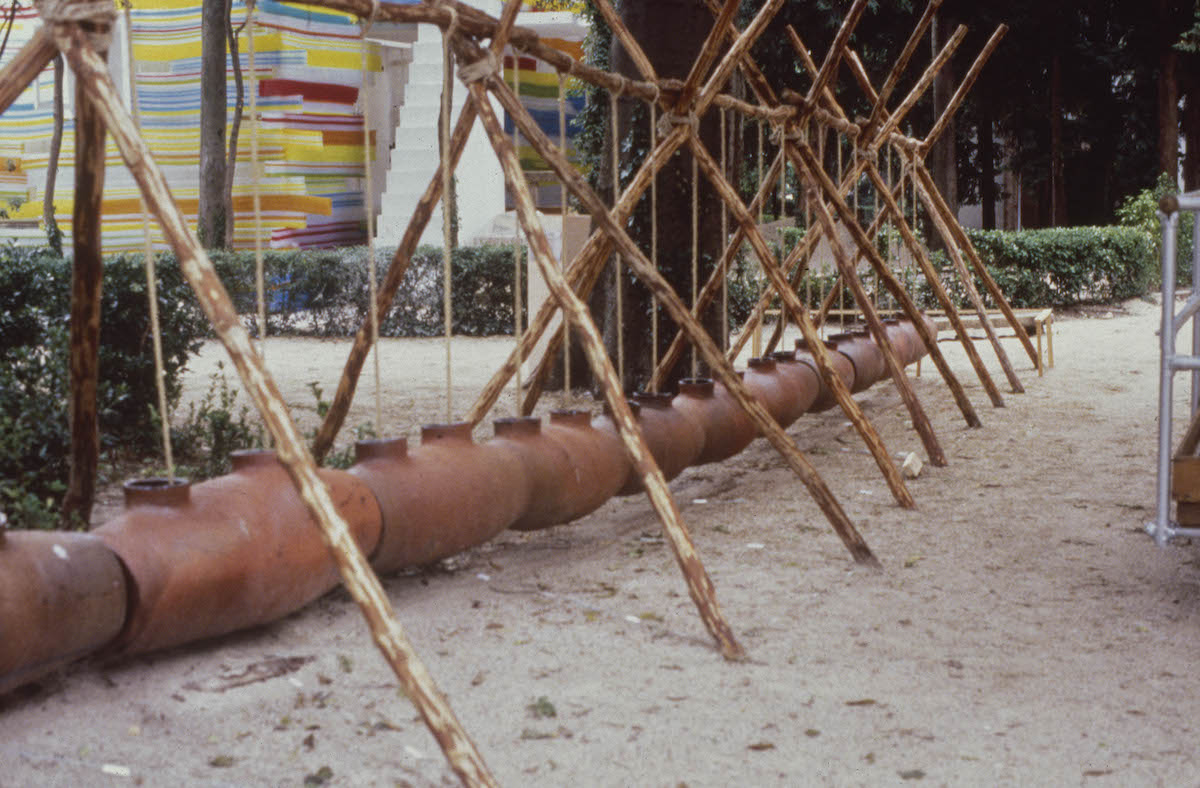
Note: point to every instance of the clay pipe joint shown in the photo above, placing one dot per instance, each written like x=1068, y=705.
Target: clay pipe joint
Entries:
x=727, y=428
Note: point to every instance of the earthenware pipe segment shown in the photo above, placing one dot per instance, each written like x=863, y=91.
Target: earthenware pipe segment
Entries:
x=230, y=553
x=186, y=562
x=62, y=596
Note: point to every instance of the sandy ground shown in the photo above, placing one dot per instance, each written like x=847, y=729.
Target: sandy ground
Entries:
x=1024, y=629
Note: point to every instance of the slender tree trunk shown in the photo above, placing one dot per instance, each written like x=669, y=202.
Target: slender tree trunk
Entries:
x=672, y=49
x=213, y=109
x=1058, y=187
x=1191, y=134
x=53, y=235
x=87, y=273
x=1168, y=113
x=987, y=168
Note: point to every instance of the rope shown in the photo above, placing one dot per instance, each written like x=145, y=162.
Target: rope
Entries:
x=654, y=250
x=670, y=120
x=841, y=289
x=516, y=259
x=762, y=275
x=151, y=277
x=695, y=252
x=724, y=237
x=369, y=204
x=100, y=13
x=483, y=68
x=562, y=195
x=616, y=179
x=444, y=137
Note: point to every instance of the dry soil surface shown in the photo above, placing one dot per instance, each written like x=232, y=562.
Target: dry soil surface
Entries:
x=1023, y=629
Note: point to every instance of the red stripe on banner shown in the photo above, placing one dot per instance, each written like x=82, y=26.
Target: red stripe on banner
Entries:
x=313, y=91
x=527, y=63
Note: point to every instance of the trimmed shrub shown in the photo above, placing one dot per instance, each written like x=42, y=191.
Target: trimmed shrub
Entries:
x=1067, y=266
x=34, y=368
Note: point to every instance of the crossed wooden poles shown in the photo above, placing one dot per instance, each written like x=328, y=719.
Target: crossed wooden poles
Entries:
x=70, y=25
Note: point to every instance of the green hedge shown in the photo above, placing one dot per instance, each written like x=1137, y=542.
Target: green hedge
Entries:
x=1067, y=266
x=326, y=293
x=34, y=378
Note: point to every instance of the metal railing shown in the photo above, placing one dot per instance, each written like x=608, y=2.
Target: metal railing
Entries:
x=1163, y=528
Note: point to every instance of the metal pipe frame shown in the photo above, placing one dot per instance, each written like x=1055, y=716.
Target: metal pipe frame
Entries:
x=1163, y=529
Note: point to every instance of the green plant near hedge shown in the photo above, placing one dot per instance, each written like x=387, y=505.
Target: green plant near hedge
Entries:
x=35, y=286
x=1140, y=211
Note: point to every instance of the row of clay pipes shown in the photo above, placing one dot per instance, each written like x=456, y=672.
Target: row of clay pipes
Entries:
x=190, y=561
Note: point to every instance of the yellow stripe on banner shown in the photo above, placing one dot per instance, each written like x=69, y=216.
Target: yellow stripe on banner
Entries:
x=534, y=78
x=572, y=48
x=329, y=58
x=324, y=154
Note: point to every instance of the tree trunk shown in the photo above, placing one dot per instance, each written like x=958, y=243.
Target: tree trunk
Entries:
x=53, y=234
x=212, y=218
x=1191, y=134
x=87, y=272
x=1168, y=113
x=987, y=167
x=943, y=155
x=1058, y=187
x=671, y=32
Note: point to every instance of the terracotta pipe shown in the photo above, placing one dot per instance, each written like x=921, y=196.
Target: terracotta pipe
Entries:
x=185, y=562
x=62, y=596
x=675, y=440
x=902, y=338
x=442, y=497
x=233, y=552
x=802, y=381
x=771, y=388
x=841, y=364
x=547, y=466
x=865, y=355
x=597, y=462
x=727, y=428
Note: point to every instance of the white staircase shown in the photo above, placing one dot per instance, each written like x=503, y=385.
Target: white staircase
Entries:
x=414, y=155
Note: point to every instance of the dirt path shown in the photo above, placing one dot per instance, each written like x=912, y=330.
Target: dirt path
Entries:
x=1024, y=630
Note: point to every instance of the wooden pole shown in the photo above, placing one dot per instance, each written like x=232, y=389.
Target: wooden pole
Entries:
x=713, y=284
x=25, y=66
x=867, y=249
x=926, y=189
x=582, y=275
x=87, y=273
x=340, y=405
x=707, y=96
x=359, y=579
x=959, y=235
x=932, y=276
x=799, y=313
x=699, y=585
x=893, y=77
x=807, y=163
x=679, y=312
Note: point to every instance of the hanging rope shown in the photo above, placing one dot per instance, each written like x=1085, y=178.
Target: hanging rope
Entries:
x=724, y=236
x=654, y=250
x=444, y=136
x=151, y=276
x=695, y=253
x=841, y=288
x=616, y=186
x=517, y=331
x=369, y=205
x=562, y=144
